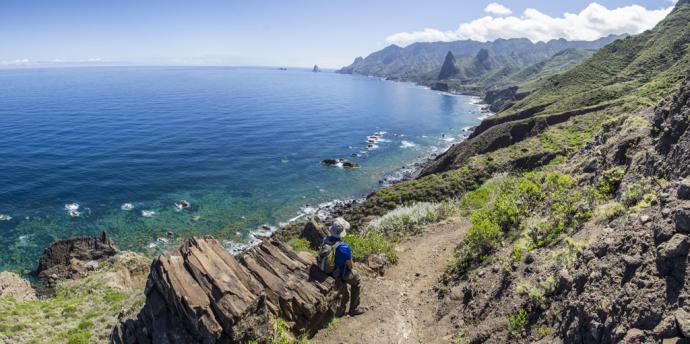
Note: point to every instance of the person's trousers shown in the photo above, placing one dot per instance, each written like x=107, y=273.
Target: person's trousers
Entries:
x=353, y=280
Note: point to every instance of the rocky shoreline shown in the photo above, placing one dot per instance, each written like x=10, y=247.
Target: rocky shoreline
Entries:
x=328, y=211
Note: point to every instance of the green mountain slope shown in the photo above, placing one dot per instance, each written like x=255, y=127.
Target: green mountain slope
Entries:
x=640, y=69
x=487, y=72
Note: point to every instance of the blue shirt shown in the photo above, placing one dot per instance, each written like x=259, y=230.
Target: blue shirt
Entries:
x=342, y=254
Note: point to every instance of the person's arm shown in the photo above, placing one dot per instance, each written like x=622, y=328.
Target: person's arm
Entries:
x=349, y=264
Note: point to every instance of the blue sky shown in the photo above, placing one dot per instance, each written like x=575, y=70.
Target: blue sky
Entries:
x=277, y=33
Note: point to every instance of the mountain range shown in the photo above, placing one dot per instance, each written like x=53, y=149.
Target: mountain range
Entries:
x=474, y=61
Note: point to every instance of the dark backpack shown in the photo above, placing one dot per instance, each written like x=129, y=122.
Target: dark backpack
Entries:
x=325, y=260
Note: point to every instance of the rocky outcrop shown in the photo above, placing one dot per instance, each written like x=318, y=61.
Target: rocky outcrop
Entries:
x=635, y=279
x=440, y=86
x=127, y=271
x=503, y=99
x=448, y=69
x=11, y=285
x=671, y=123
x=340, y=163
x=199, y=293
x=72, y=257
x=314, y=232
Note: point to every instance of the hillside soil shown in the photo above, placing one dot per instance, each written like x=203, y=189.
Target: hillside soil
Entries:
x=401, y=305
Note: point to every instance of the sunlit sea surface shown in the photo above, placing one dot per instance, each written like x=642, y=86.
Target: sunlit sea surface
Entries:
x=84, y=150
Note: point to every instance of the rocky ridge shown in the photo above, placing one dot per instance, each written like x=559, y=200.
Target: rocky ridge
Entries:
x=200, y=293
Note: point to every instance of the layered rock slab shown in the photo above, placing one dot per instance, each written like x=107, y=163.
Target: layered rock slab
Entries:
x=199, y=293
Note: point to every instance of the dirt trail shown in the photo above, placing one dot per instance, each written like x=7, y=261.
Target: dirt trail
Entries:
x=401, y=305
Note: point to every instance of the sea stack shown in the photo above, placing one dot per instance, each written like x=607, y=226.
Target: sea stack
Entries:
x=316, y=69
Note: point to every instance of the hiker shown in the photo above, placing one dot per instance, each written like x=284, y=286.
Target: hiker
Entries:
x=335, y=257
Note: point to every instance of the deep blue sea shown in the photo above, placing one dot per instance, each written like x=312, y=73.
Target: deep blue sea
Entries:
x=242, y=145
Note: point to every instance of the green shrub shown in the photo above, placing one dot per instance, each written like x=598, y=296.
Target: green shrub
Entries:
x=608, y=211
x=511, y=202
x=332, y=323
x=112, y=295
x=539, y=295
x=411, y=219
x=517, y=323
x=372, y=243
x=77, y=336
x=282, y=334
x=300, y=245
x=480, y=197
x=517, y=253
x=538, y=298
x=544, y=331
x=565, y=257
x=646, y=201
x=481, y=239
x=632, y=195
x=609, y=182
x=85, y=325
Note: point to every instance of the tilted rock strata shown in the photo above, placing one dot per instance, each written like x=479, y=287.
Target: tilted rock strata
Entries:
x=199, y=293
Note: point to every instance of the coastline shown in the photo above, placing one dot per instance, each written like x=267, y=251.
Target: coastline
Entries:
x=327, y=211
x=238, y=237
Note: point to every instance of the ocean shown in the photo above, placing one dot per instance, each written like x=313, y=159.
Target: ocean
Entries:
x=85, y=150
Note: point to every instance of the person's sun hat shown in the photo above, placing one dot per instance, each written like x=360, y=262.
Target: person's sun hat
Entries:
x=339, y=227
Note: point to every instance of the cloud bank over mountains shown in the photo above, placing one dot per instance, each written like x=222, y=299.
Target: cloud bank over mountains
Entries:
x=593, y=22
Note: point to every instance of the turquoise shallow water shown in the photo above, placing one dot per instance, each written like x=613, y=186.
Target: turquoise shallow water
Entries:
x=242, y=145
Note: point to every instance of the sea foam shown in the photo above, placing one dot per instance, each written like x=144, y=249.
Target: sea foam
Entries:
x=407, y=144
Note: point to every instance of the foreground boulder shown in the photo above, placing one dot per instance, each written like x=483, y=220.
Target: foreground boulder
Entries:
x=200, y=293
x=69, y=258
x=314, y=232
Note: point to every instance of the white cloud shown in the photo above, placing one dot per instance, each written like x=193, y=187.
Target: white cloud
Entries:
x=497, y=9
x=593, y=22
x=17, y=62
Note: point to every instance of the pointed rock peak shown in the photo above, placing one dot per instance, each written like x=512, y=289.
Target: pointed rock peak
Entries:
x=451, y=57
x=483, y=54
x=448, y=69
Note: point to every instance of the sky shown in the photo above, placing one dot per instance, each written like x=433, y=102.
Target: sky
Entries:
x=297, y=33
